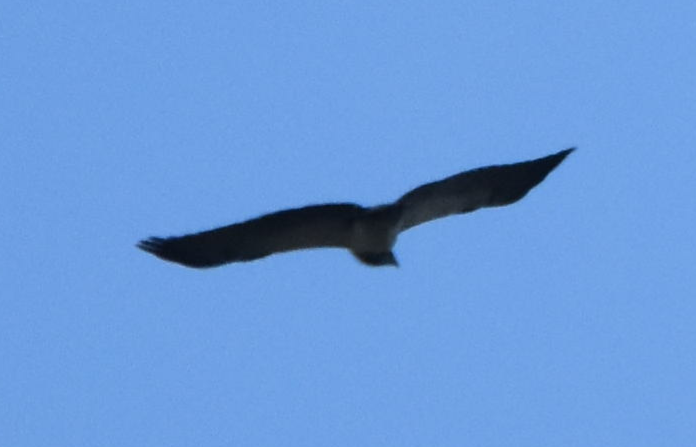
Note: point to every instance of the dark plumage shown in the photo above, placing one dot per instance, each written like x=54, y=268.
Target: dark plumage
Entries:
x=368, y=232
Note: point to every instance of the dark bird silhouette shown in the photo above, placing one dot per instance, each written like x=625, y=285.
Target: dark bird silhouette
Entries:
x=368, y=232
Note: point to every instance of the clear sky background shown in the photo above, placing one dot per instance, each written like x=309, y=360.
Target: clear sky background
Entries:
x=567, y=319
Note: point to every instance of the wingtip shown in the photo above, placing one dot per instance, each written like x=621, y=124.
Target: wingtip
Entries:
x=169, y=249
x=150, y=245
x=558, y=157
x=567, y=152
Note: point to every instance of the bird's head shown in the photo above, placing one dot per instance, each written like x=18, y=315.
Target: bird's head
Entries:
x=378, y=259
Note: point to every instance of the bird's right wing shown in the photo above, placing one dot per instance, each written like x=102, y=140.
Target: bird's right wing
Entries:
x=470, y=190
x=312, y=226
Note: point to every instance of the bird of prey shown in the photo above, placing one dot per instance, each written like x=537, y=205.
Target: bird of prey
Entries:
x=369, y=233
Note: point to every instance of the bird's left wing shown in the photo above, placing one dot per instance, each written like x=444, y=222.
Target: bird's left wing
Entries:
x=294, y=229
x=470, y=190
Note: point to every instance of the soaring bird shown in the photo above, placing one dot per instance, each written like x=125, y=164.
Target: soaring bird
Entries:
x=369, y=233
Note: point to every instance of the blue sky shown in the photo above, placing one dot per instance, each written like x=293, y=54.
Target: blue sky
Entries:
x=566, y=319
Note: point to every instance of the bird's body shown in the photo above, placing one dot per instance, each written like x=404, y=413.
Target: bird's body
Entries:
x=368, y=232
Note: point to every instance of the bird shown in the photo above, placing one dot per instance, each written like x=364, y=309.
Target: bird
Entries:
x=369, y=233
